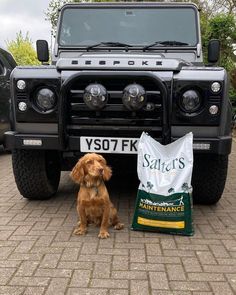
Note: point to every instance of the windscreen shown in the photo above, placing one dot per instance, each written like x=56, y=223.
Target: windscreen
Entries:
x=135, y=26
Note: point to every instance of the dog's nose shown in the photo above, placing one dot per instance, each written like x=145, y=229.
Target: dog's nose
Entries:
x=100, y=170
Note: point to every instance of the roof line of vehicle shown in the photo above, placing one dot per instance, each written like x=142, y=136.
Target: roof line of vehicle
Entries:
x=130, y=4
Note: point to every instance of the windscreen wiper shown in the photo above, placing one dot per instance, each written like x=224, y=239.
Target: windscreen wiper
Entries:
x=165, y=43
x=110, y=44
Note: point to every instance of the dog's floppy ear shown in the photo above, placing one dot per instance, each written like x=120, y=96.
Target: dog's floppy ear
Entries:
x=77, y=173
x=107, y=173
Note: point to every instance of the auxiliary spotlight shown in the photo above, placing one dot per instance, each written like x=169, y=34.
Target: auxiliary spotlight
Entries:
x=95, y=96
x=134, y=97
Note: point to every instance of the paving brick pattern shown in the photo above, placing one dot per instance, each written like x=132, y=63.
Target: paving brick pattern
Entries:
x=40, y=255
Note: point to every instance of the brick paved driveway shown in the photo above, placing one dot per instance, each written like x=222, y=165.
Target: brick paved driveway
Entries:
x=39, y=254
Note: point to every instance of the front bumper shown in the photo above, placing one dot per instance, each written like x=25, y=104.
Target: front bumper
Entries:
x=13, y=140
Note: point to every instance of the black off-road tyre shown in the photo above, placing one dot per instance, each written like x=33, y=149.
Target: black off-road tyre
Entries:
x=209, y=176
x=37, y=173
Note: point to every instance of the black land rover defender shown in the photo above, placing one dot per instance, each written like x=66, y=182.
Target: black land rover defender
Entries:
x=119, y=69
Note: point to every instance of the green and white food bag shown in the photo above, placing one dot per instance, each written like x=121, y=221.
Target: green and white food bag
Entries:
x=164, y=199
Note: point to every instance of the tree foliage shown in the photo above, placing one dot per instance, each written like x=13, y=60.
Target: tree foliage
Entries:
x=22, y=50
x=223, y=27
x=52, y=12
x=224, y=6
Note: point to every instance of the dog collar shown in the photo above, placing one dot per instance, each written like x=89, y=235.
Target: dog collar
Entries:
x=95, y=187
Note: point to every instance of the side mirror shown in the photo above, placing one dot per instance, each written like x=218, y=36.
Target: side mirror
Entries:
x=213, y=51
x=42, y=50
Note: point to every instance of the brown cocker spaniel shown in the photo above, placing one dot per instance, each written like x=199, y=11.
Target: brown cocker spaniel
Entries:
x=93, y=202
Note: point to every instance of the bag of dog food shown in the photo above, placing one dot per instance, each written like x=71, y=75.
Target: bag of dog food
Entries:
x=164, y=199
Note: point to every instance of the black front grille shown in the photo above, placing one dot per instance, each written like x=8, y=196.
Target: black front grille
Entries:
x=114, y=115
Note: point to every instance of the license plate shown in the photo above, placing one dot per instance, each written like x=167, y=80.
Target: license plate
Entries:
x=109, y=145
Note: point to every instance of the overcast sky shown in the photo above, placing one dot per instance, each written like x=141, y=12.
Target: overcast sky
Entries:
x=24, y=15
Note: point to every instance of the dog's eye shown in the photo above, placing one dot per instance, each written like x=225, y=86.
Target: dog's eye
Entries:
x=90, y=162
x=101, y=160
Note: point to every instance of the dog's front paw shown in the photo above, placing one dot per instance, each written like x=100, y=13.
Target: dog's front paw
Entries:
x=119, y=226
x=103, y=235
x=79, y=231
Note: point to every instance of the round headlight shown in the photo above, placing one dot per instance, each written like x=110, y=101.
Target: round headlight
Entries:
x=190, y=101
x=134, y=97
x=215, y=87
x=95, y=96
x=45, y=100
